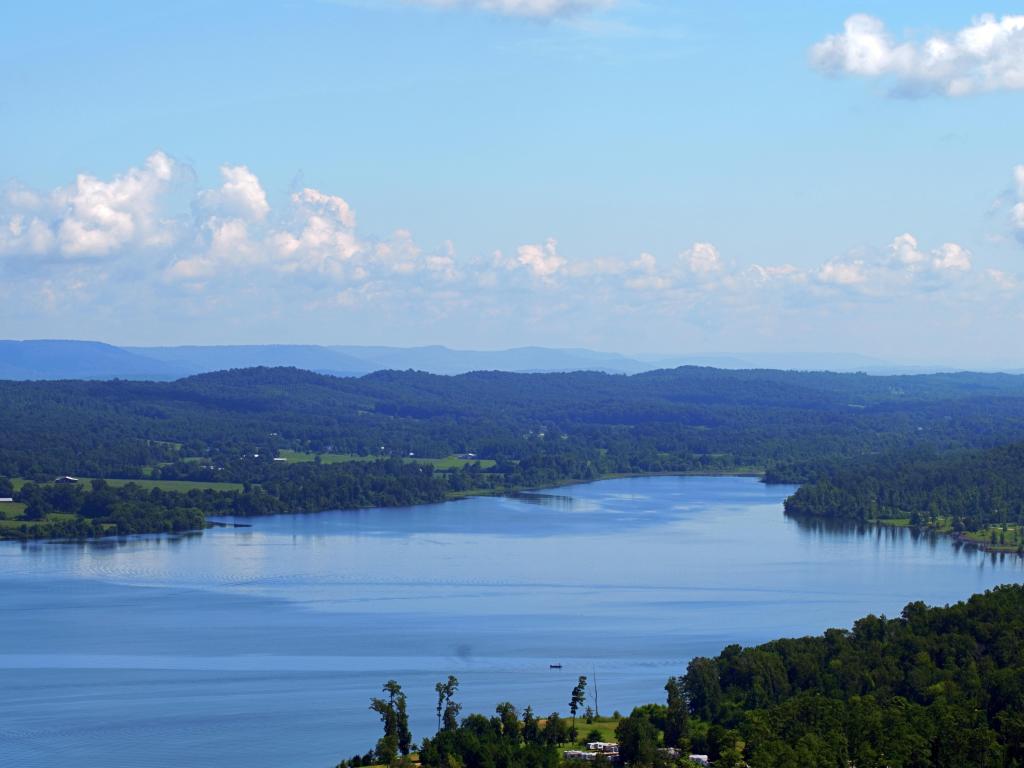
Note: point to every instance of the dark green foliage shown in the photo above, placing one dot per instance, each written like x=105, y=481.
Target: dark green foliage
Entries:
x=393, y=716
x=579, y=695
x=447, y=708
x=935, y=688
x=677, y=722
x=638, y=739
x=501, y=741
x=976, y=489
x=683, y=419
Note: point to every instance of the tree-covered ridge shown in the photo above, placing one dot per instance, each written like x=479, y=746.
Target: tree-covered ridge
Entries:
x=966, y=491
x=934, y=688
x=664, y=420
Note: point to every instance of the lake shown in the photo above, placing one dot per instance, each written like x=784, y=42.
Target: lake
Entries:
x=261, y=646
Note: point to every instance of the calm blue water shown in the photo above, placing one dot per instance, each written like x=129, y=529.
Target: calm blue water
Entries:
x=262, y=646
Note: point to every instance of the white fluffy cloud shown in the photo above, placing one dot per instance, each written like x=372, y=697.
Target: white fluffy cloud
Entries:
x=839, y=272
x=987, y=55
x=241, y=195
x=321, y=238
x=542, y=261
x=703, y=259
x=91, y=218
x=153, y=229
x=905, y=267
x=905, y=251
x=952, y=257
x=532, y=8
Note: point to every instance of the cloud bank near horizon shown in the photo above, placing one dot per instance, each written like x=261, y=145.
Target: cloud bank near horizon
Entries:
x=152, y=239
x=986, y=55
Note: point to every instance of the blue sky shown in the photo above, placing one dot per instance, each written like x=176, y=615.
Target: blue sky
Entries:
x=639, y=176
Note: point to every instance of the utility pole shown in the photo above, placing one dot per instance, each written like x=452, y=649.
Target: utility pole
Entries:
x=597, y=710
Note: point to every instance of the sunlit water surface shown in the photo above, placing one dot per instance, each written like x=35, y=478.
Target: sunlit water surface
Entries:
x=261, y=646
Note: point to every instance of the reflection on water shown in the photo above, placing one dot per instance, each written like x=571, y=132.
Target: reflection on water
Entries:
x=262, y=645
x=551, y=500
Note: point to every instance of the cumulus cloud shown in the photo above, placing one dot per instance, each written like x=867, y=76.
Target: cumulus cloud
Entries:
x=950, y=256
x=229, y=245
x=903, y=266
x=531, y=8
x=839, y=272
x=905, y=250
x=542, y=261
x=241, y=195
x=987, y=55
x=703, y=259
x=92, y=218
x=321, y=238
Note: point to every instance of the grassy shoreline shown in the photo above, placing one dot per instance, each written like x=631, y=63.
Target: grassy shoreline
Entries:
x=981, y=540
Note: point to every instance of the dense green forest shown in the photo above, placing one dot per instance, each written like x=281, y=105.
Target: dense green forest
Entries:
x=963, y=492
x=739, y=418
x=934, y=688
x=526, y=430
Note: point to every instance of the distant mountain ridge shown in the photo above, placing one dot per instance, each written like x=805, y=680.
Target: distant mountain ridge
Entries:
x=71, y=359
x=48, y=360
x=68, y=359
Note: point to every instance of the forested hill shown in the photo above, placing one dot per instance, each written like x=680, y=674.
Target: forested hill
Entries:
x=934, y=688
x=681, y=418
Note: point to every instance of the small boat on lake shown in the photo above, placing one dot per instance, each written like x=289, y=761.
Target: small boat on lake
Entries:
x=554, y=666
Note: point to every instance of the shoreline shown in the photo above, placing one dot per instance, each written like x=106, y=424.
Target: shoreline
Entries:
x=960, y=538
x=451, y=496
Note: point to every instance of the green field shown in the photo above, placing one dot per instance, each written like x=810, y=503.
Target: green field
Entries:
x=605, y=725
x=1009, y=540
x=448, y=462
x=454, y=462
x=11, y=511
x=299, y=457
x=997, y=539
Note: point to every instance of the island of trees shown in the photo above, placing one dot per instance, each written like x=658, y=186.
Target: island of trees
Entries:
x=933, y=688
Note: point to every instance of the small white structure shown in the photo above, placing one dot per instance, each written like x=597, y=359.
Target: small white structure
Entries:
x=66, y=480
x=280, y=458
x=604, y=747
x=700, y=759
x=6, y=500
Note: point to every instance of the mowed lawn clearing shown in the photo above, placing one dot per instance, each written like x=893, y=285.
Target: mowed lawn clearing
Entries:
x=11, y=511
x=448, y=462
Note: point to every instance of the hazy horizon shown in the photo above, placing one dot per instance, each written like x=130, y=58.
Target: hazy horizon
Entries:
x=63, y=356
